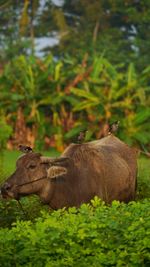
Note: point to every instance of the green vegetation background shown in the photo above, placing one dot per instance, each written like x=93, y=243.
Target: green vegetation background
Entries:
x=98, y=72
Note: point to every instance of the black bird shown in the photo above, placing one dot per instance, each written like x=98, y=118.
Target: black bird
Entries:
x=113, y=127
x=25, y=149
x=81, y=137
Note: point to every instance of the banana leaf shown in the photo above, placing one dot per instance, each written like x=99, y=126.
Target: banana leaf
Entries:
x=85, y=94
x=85, y=105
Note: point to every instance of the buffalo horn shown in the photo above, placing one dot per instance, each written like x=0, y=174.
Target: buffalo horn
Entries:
x=47, y=159
x=54, y=160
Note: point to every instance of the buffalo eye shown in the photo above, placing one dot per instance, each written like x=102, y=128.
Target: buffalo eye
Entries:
x=31, y=166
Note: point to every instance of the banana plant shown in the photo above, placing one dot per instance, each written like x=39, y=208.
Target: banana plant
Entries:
x=59, y=98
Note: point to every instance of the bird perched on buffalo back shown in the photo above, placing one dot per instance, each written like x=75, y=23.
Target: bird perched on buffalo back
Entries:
x=113, y=127
x=81, y=137
x=25, y=149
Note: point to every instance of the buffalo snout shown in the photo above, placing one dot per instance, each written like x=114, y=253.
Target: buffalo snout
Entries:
x=6, y=190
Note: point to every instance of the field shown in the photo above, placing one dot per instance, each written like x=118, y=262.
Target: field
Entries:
x=94, y=235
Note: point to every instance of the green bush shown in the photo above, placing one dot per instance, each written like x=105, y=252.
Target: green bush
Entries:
x=27, y=209
x=93, y=235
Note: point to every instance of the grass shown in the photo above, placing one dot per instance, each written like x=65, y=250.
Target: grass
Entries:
x=11, y=211
x=143, y=178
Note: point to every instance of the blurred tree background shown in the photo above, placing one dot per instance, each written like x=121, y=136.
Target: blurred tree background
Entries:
x=71, y=65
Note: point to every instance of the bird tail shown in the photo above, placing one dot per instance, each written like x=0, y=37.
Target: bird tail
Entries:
x=138, y=152
x=144, y=153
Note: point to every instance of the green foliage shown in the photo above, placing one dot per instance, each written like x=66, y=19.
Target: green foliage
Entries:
x=93, y=235
x=11, y=211
x=5, y=132
x=109, y=27
x=59, y=98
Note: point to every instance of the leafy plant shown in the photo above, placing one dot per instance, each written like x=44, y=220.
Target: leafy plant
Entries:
x=48, y=102
x=93, y=235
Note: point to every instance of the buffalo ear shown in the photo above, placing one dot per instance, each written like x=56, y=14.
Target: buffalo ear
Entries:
x=56, y=171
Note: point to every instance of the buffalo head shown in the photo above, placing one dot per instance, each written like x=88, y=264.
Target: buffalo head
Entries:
x=33, y=174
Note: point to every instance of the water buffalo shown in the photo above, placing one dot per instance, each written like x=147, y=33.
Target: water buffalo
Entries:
x=105, y=168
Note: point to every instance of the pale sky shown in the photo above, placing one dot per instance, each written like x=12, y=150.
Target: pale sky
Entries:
x=43, y=42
